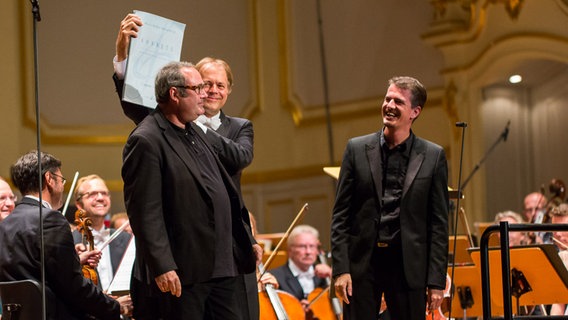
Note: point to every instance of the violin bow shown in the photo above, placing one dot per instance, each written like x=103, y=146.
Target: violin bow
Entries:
x=316, y=298
x=562, y=244
x=70, y=192
x=286, y=234
x=114, y=235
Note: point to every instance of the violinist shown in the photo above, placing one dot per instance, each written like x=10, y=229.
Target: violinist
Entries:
x=537, y=210
x=534, y=204
x=92, y=195
x=68, y=294
x=301, y=275
x=515, y=238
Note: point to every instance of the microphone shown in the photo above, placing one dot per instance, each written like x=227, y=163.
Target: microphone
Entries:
x=506, y=131
x=461, y=124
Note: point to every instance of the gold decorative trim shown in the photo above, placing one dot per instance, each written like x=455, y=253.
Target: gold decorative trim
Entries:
x=498, y=41
x=253, y=107
x=292, y=104
x=476, y=25
x=513, y=7
x=449, y=105
x=477, y=22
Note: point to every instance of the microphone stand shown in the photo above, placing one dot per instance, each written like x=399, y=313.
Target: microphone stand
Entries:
x=503, y=137
x=325, y=85
x=462, y=125
x=37, y=18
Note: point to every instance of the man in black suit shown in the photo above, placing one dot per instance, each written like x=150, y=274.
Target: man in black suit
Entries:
x=389, y=230
x=231, y=137
x=92, y=195
x=69, y=295
x=192, y=231
x=301, y=274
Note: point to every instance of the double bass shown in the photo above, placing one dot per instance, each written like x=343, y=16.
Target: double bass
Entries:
x=84, y=227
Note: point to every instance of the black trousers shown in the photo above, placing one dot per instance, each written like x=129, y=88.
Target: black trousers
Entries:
x=217, y=296
x=247, y=296
x=386, y=276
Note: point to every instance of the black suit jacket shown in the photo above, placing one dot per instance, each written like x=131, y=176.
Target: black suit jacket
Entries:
x=69, y=295
x=423, y=212
x=232, y=141
x=170, y=211
x=287, y=282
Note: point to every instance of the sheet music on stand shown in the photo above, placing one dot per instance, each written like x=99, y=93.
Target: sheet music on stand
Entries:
x=120, y=284
x=159, y=42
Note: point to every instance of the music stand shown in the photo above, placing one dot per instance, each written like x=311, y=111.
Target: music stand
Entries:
x=462, y=255
x=467, y=278
x=542, y=268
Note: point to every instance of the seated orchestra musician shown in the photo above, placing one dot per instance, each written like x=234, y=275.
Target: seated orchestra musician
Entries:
x=7, y=199
x=515, y=238
x=69, y=295
x=301, y=274
x=92, y=195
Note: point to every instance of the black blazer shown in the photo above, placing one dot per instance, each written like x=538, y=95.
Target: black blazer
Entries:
x=423, y=212
x=287, y=282
x=170, y=211
x=69, y=295
x=233, y=141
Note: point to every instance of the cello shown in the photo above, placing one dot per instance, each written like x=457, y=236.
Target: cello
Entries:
x=84, y=227
x=322, y=305
x=277, y=304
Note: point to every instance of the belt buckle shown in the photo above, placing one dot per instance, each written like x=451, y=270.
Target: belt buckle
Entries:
x=382, y=244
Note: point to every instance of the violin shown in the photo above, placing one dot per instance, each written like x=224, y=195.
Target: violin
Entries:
x=84, y=227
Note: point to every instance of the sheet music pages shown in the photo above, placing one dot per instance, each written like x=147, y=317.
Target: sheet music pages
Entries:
x=121, y=282
x=159, y=42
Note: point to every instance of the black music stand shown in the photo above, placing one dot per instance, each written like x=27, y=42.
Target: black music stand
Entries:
x=542, y=270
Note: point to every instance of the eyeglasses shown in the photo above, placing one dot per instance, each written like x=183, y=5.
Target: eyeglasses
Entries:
x=93, y=194
x=5, y=198
x=63, y=180
x=208, y=85
x=306, y=246
x=198, y=88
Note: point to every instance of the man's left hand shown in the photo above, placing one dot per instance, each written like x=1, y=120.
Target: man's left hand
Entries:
x=435, y=297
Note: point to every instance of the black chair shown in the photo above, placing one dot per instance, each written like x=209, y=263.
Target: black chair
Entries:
x=21, y=300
